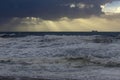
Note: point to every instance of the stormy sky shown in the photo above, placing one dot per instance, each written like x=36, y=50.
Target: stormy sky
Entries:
x=59, y=15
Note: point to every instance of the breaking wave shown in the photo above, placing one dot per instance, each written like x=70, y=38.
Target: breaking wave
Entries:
x=35, y=55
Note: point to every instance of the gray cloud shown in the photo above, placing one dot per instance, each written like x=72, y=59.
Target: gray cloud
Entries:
x=41, y=15
x=50, y=9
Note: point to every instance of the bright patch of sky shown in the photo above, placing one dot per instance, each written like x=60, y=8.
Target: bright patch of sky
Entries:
x=111, y=8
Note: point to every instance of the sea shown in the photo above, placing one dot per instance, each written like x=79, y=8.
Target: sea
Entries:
x=60, y=55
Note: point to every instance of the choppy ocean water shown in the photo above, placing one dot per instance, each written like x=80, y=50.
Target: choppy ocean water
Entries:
x=57, y=57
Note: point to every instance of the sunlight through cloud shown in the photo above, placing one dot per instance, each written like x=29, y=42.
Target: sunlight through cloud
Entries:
x=111, y=8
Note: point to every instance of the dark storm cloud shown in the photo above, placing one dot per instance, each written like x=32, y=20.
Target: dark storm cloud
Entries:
x=50, y=9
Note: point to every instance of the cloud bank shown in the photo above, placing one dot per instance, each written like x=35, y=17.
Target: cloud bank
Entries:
x=58, y=15
x=50, y=9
